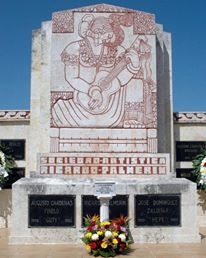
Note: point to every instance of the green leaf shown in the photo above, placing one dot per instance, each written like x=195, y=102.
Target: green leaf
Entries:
x=85, y=240
x=95, y=252
x=107, y=253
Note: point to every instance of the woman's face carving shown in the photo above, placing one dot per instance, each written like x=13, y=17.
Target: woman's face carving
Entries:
x=102, y=31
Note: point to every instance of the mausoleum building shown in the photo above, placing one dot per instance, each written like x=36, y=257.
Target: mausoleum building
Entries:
x=101, y=111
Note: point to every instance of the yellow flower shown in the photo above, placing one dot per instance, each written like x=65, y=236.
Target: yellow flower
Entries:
x=100, y=232
x=115, y=233
x=105, y=223
x=104, y=245
x=88, y=235
x=88, y=248
x=114, y=241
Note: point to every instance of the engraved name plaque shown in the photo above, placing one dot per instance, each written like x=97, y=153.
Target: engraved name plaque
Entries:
x=17, y=148
x=157, y=210
x=51, y=211
x=187, y=150
x=186, y=173
x=118, y=205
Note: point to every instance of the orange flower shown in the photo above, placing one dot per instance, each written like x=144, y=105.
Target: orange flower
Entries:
x=121, y=220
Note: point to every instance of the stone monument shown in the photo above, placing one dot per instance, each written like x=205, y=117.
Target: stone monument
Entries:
x=101, y=110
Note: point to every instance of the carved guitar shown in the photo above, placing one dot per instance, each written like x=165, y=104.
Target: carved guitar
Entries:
x=104, y=80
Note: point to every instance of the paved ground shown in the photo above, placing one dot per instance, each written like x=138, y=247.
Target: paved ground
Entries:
x=78, y=251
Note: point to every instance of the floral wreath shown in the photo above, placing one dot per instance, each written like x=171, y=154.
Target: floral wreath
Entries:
x=6, y=164
x=199, y=169
x=106, y=238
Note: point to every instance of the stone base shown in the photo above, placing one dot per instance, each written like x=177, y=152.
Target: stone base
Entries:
x=187, y=231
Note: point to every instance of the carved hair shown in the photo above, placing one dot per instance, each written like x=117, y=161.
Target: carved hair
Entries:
x=101, y=25
x=116, y=21
x=85, y=25
x=91, y=26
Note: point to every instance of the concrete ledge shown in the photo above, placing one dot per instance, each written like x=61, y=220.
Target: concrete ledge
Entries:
x=21, y=234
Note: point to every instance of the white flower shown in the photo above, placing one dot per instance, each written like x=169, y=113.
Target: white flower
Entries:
x=3, y=172
x=122, y=237
x=203, y=166
x=201, y=182
x=203, y=162
x=2, y=159
x=203, y=170
x=95, y=237
x=108, y=234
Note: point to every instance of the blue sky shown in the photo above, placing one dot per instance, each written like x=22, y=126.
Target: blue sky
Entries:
x=184, y=19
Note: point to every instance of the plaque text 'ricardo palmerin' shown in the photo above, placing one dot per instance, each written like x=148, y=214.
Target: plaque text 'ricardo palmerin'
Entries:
x=102, y=165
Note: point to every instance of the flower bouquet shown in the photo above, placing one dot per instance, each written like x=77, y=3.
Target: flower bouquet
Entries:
x=199, y=169
x=6, y=164
x=106, y=238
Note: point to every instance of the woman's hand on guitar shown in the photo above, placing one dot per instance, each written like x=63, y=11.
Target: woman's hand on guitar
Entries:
x=96, y=97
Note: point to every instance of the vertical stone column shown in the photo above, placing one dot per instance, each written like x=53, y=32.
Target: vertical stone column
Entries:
x=104, y=208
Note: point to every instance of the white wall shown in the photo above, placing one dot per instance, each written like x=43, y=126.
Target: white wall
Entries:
x=13, y=125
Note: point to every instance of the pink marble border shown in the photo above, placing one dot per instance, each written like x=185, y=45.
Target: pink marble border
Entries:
x=14, y=115
x=189, y=117
x=179, y=117
x=63, y=21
